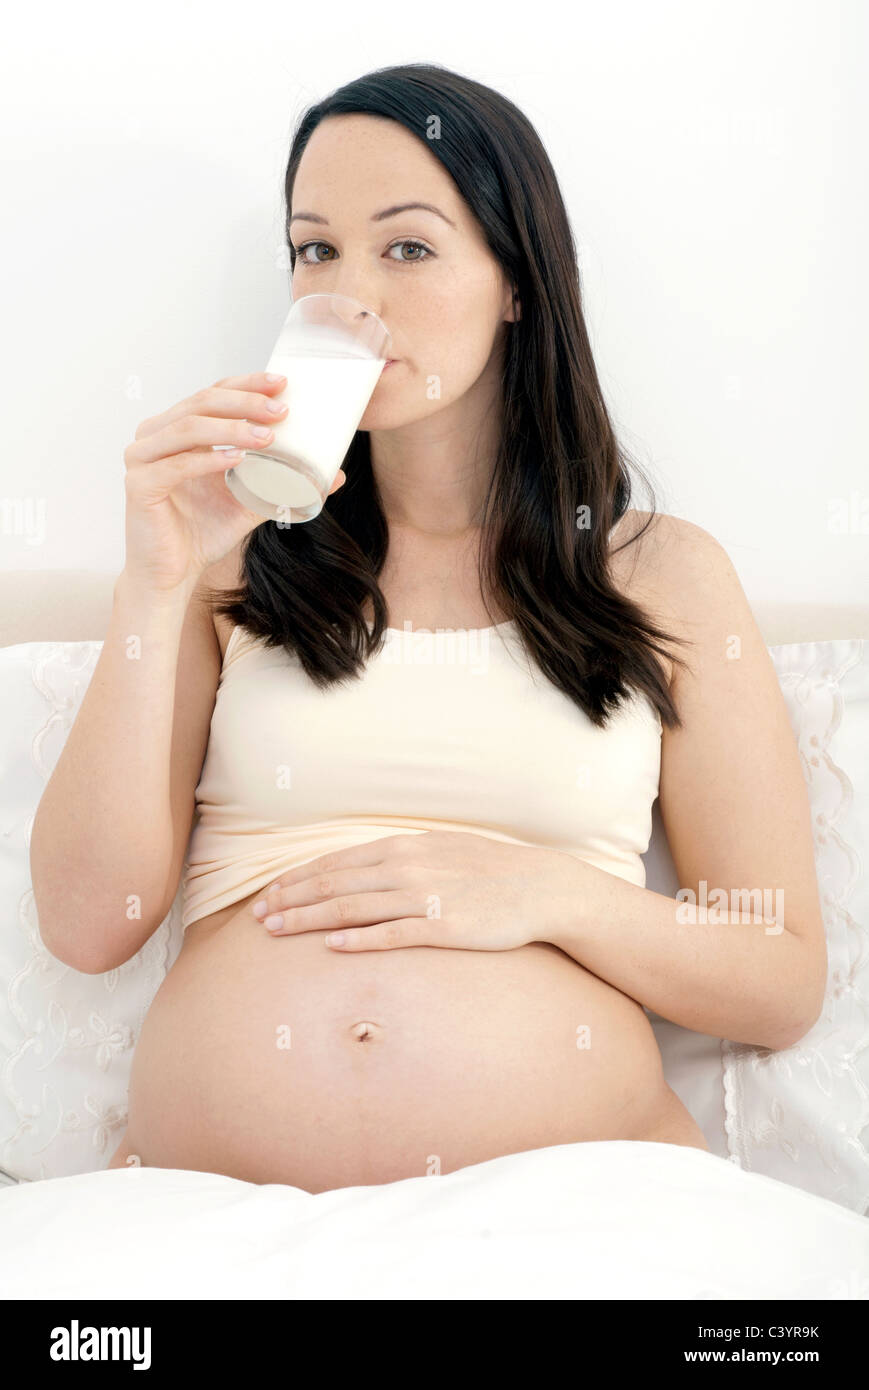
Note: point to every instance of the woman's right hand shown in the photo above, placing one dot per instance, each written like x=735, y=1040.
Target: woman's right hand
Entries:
x=180, y=515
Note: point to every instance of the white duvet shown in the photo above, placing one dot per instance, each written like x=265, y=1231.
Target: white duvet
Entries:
x=623, y=1220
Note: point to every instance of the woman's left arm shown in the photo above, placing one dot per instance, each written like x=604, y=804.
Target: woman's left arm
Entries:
x=735, y=807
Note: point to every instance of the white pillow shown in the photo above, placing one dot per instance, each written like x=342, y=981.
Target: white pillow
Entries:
x=801, y=1115
x=66, y=1039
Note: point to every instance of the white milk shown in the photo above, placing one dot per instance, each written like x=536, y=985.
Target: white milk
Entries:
x=326, y=398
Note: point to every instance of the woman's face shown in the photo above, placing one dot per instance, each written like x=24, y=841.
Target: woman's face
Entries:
x=443, y=296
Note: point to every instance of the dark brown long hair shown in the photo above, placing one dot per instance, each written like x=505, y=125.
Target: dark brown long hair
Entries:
x=304, y=585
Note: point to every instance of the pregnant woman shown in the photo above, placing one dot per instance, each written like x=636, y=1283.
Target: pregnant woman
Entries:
x=405, y=754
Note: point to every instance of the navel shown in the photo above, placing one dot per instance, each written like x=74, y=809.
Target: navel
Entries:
x=365, y=1031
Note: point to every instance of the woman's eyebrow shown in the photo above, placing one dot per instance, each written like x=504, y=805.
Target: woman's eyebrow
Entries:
x=377, y=216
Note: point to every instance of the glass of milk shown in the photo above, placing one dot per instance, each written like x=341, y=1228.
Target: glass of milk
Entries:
x=332, y=350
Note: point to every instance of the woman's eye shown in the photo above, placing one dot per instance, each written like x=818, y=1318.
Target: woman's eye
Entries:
x=300, y=250
x=397, y=246
x=419, y=246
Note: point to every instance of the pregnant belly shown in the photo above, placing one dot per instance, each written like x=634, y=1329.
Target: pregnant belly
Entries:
x=278, y=1060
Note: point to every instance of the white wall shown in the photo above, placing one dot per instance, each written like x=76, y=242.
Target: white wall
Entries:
x=713, y=157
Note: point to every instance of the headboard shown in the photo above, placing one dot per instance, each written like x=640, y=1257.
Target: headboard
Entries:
x=75, y=606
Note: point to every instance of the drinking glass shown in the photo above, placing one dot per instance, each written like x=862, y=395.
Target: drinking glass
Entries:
x=332, y=350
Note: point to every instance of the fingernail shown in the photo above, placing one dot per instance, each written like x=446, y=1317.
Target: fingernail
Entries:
x=260, y=908
x=274, y=921
x=335, y=938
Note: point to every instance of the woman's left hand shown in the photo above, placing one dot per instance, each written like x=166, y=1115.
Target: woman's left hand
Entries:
x=435, y=888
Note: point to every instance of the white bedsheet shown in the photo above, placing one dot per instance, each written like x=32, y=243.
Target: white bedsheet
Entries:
x=622, y=1220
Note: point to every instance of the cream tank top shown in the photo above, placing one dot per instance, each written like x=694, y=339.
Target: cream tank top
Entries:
x=444, y=730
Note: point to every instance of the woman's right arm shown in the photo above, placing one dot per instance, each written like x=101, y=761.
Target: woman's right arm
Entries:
x=113, y=823
x=110, y=831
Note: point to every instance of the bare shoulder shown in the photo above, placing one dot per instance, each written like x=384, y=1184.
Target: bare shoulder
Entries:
x=223, y=575
x=656, y=540
x=672, y=568
x=655, y=553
